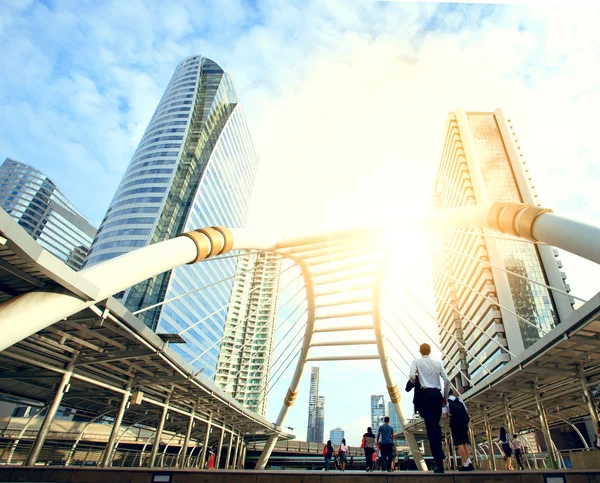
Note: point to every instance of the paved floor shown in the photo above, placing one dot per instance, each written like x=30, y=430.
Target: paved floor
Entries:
x=117, y=475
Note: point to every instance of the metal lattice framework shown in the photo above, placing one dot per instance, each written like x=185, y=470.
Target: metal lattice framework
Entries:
x=351, y=257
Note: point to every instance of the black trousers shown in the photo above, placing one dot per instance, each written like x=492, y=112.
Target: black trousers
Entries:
x=431, y=402
x=518, y=456
x=386, y=456
x=369, y=457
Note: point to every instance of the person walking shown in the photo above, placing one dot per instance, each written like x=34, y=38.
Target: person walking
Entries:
x=518, y=447
x=394, y=457
x=385, y=438
x=369, y=446
x=342, y=455
x=431, y=400
x=504, y=440
x=327, y=454
x=457, y=411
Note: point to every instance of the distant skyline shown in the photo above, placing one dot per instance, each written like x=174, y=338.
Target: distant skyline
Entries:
x=329, y=88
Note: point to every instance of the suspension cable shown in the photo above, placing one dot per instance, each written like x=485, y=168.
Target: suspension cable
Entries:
x=443, y=272
x=401, y=371
x=265, y=344
x=226, y=333
x=166, y=301
x=274, y=349
x=549, y=287
x=438, y=346
x=498, y=237
x=444, y=328
x=259, y=307
x=462, y=315
x=273, y=385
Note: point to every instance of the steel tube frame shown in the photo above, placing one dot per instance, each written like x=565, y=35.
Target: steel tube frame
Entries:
x=51, y=413
x=108, y=451
x=229, y=447
x=205, y=444
x=186, y=440
x=219, y=449
x=545, y=429
x=158, y=435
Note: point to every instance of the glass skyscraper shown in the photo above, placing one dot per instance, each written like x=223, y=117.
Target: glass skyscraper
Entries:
x=32, y=199
x=480, y=307
x=315, y=431
x=194, y=167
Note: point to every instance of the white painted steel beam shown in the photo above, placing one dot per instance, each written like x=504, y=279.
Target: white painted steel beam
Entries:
x=373, y=357
x=344, y=329
x=344, y=342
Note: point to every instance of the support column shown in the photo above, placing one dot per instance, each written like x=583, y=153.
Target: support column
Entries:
x=473, y=448
x=229, y=446
x=488, y=434
x=237, y=449
x=510, y=424
x=186, y=440
x=205, y=445
x=589, y=399
x=453, y=450
x=110, y=446
x=545, y=428
x=157, y=437
x=50, y=414
x=242, y=464
x=219, y=448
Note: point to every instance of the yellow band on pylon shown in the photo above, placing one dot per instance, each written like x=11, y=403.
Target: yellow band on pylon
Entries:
x=394, y=393
x=290, y=397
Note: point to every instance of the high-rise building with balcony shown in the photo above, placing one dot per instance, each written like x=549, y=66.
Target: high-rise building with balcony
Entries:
x=245, y=357
x=378, y=412
x=35, y=202
x=489, y=289
x=336, y=435
x=316, y=410
x=194, y=167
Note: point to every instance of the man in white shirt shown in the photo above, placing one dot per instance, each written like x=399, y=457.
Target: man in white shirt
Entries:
x=517, y=445
x=431, y=400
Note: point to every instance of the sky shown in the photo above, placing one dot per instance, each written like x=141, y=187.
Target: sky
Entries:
x=347, y=103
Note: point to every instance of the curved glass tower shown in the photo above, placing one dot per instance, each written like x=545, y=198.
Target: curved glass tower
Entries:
x=194, y=167
x=32, y=199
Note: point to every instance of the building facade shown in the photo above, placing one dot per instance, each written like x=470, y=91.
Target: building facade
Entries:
x=481, y=308
x=336, y=435
x=194, y=167
x=35, y=202
x=316, y=410
x=378, y=412
x=245, y=356
x=394, y=421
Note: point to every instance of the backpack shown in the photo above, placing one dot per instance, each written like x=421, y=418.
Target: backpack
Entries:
x=325, y=451
x=458, y=413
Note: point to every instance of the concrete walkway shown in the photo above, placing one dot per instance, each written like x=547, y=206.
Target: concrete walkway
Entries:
x=133, y=475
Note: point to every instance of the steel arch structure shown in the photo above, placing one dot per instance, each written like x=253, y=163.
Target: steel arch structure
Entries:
x=323, y=260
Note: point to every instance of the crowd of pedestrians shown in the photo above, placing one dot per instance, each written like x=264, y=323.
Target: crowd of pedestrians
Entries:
x=431, y=400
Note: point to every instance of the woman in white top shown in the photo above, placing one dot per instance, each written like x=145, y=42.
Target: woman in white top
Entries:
x=343, y=452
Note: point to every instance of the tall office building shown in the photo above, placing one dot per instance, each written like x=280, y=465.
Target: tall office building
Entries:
x=336, y=435
x=481, y=163
x=378, y=412
x=391, y=412
x=245, y=356
x=32, y=199
x=194, y=167
x=316, y=410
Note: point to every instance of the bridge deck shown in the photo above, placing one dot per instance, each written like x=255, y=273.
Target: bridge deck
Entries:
x=114, y=475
